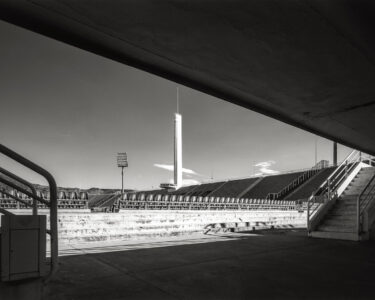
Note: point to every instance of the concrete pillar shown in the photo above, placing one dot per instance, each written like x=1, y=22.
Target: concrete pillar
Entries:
x=334, y=153
x=177, y=151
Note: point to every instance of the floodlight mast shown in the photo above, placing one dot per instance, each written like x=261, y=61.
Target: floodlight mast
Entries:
x=122, y=181
x=122, y=162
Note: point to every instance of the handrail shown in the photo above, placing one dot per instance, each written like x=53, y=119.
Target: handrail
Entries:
x=5, y=212
x=342, y=163
x=52, y=204
x=22, y=190
x=366, y=204
x=284, y=191
x=361, y=208
x=24, y=182
x=329, y=187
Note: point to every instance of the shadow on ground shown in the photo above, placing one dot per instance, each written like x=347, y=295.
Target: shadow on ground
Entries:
x=281, y=264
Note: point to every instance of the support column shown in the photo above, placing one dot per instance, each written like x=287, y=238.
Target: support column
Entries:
x=334, y=153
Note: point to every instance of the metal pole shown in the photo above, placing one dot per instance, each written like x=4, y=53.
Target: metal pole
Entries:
x=308, y=216
x=122, y=181
x=358, y=215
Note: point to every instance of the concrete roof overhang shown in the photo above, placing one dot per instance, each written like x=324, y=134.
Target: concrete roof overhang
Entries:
x=308, y=63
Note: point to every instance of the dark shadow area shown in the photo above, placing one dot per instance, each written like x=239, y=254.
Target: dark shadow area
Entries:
x=269, y=266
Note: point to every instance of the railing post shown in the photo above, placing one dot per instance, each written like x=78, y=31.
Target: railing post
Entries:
x=358, y=215
x=308, y=215
x=346, y=169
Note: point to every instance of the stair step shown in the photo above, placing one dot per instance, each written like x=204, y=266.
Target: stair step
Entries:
x=338, y=228
x=339, y=223
x=345, y=208
x=342, y=212
x=352, y=217
x=335, y=235
x=347, y=200
x=353, y=192
x=347, y=205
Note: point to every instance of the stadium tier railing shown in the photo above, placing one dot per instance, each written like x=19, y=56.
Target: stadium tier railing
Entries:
x=297, y=182
x=180, y=202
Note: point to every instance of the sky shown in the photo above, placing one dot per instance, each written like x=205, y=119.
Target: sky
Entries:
x=72, y=111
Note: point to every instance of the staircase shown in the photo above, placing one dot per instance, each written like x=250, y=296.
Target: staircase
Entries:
x=340, y=222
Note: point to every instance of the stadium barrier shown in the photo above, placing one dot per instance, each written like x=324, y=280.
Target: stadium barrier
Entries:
x=181, y=202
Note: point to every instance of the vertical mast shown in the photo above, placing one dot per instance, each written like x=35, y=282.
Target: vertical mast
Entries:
x=177, y=147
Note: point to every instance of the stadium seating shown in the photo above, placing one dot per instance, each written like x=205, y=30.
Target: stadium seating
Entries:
x=204, y=189
x=271, y=184
x=233, y=188
x=310, y=186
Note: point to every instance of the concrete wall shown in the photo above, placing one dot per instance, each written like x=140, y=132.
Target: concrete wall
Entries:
x=79, y=226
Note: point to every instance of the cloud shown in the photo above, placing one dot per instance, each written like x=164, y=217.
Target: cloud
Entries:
x=264, y=168
x=190, y=182
x=186, y=182
x=171, y=168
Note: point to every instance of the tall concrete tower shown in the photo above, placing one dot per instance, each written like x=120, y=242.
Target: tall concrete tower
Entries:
x=177, y=151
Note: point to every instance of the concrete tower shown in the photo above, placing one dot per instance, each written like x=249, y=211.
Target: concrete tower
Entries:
x=177, y=151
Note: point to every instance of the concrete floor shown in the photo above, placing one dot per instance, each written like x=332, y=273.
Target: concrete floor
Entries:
x=273, y=265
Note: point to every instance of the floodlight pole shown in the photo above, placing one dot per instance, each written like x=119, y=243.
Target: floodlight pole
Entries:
x=122, y=162
x=122, y=180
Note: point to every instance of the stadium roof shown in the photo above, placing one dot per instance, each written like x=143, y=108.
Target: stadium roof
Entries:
x=308, y=63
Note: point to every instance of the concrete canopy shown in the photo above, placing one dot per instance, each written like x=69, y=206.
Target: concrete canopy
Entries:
x=308, y=63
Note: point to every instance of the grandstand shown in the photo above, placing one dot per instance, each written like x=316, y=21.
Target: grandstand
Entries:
x=288, y=190
x=246, y=193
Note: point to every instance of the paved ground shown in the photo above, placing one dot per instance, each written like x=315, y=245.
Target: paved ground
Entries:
x=231, y=266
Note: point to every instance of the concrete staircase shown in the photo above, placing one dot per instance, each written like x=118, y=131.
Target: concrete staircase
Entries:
x=341, y=221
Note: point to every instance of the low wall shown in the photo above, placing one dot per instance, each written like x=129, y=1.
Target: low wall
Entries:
x=80, y=226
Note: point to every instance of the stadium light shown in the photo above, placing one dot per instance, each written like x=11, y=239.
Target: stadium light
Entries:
x=122, y=162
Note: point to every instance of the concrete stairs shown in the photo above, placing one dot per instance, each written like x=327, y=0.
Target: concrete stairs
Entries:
x=341, y=221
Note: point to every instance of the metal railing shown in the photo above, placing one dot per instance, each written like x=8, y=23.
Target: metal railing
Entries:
x=327, y=193
x=52, y=204
x=293, y=184
x=328, y=190
x=24, y=182
x=364, y=200
x=173, y=202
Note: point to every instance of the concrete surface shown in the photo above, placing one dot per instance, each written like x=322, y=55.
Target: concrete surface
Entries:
x=267, y=265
